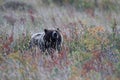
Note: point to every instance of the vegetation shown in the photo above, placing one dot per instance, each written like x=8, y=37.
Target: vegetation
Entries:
x=89, y=52
x=106, y=5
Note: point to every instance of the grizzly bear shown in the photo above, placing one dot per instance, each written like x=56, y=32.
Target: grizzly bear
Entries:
x=49, y=39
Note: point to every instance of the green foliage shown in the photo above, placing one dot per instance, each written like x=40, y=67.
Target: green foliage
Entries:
x=83, y=4
x=118, y=69
x=22, y=43
x=118, y=43
x=114, y=37
x=107, y=5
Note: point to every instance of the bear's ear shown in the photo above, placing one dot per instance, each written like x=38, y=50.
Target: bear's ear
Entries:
x=45, y=30
x=58, y=29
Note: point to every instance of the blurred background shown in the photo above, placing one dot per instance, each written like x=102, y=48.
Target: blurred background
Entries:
x=51, y=13
x=91, y=32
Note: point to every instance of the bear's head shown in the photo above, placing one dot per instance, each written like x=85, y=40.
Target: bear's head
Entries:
x=53, y=38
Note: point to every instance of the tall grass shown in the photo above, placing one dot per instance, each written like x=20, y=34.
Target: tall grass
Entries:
x=90, y=50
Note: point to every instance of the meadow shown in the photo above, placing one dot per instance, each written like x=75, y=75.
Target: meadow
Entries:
x=91, y=34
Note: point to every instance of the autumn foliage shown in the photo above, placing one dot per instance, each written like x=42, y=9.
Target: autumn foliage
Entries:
x=89, y=52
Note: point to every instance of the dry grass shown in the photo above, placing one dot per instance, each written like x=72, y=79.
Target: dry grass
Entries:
x=91, y=49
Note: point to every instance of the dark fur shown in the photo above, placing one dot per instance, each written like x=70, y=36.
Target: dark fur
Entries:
x=50, y=39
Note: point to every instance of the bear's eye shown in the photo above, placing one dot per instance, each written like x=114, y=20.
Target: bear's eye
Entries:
x=54, y=34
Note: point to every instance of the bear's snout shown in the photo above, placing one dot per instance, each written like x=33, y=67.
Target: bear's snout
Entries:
x=54, y=34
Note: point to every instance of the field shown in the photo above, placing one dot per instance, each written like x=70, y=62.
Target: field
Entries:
x=91, y=34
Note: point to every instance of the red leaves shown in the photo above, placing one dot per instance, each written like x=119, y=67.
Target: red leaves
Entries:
x=97, y=55
x=32, y=16
x=88, y=66
x=98, y=63
x=11, y=38
x=60, y=61
x=6, y=46
x=90, y=12
x=7, y=43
